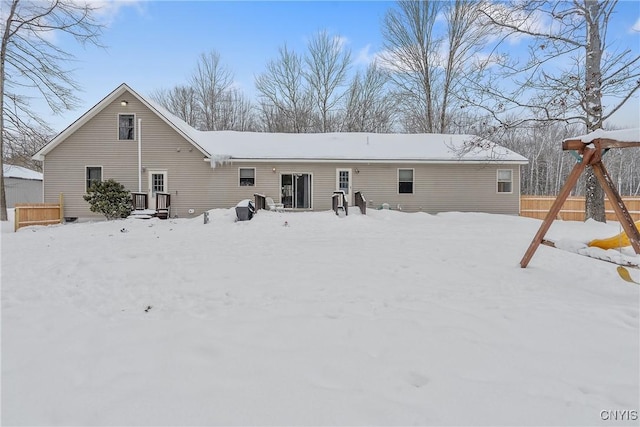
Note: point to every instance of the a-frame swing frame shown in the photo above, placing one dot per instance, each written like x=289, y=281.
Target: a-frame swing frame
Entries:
x=589, y=154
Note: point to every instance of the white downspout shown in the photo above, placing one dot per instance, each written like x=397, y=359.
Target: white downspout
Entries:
x=139, y=155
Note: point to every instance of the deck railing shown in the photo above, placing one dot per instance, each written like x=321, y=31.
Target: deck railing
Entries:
x=339, y=203
x=360, y=202
x=163, y=205
x=139, y=201
x=260, y=201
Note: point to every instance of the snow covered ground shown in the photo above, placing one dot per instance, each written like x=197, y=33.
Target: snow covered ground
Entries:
x=384, y=319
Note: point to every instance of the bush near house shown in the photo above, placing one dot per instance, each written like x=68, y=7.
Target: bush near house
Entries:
x=109, y=198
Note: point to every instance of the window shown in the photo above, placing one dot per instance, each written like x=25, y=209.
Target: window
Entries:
x=247, y=177
x=505, y=181
x=126, y=127
x=343, y=181
x=157, y=182
x=405, y=181
x=93, y=175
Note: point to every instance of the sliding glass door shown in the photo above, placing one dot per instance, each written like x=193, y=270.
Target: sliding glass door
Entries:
x=296, y=190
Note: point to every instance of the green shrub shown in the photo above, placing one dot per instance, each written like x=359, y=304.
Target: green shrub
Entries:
x=109, y=198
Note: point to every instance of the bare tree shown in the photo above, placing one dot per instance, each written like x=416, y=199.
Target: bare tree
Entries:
x=20, y=147
x=570, y=91
x=428, y=64
x=210, y=81
x=210, y=101
x=285, y=100
x=181, y=101
x=235, y=111
x=327, y=65
x=29, y=60
x=370, y=107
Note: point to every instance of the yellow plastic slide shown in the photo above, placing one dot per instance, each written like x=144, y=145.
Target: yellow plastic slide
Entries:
x=617, y=241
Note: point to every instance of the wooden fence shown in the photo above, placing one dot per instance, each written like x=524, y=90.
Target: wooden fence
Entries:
x=27, y=214
x=573, y=207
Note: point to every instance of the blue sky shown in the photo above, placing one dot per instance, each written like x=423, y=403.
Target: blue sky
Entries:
x=155, y=44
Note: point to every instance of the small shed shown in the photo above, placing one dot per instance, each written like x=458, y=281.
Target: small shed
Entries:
x=22, y=185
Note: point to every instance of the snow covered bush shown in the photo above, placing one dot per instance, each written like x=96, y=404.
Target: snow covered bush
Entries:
x=109, y=198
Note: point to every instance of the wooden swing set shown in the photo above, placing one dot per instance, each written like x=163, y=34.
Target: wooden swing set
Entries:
x=589, y=151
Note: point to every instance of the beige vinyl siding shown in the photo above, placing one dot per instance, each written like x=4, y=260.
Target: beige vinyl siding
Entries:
x=96, y=143
x=194, y=184
x=226, y=182
x=437, y=187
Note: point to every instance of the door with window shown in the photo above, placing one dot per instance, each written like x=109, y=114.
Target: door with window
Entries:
x=343, y=183
x=295, y=190
x=157, y=184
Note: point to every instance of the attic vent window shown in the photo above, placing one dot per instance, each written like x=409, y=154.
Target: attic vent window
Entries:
x=126, y=128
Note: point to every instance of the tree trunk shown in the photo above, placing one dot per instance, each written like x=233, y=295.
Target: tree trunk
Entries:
x=3, y=54
x=594, y=194
x=594, y=197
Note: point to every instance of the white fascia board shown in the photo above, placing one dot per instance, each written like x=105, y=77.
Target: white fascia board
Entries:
x=380, y=161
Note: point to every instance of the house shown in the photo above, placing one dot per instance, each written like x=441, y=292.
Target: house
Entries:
x=21, y=185
x=131, y=139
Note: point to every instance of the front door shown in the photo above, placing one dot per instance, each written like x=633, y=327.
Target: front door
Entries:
x=343, y=183
x=295, y=190
x=157, y=184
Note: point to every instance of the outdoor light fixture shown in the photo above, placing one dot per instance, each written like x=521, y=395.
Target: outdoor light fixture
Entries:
x=357, y=170
x=273, y=170
x=124, y=102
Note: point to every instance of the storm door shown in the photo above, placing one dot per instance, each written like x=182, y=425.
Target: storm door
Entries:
x=343, y=183
x=157, y=184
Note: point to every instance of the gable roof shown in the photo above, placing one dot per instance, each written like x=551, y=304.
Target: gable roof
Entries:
x=13, y=171
x=223, y=146
x=167, y=117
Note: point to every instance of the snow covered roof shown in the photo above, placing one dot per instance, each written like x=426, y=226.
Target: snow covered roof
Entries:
x=365, y=147
x=12, y=171
x=623, y=135
x=223, y=146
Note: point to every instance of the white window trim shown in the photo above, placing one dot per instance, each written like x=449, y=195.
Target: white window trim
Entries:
x=255, y=180
x=135, y=130
x=498, y=181
x=85, y=175
x=413, y=187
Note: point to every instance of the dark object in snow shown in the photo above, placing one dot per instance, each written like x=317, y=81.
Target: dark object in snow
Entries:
x=148, y=308
x=124, y=230
x=245, y=210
